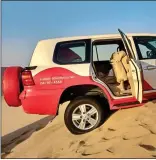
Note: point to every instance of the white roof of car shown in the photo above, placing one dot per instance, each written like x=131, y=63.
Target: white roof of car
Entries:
x=44, y=49
x=95, y=37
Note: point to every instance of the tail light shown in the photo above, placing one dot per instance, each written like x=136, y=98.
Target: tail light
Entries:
x=27, y=78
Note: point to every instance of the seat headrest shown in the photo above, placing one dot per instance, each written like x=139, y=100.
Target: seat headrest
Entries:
x=117, y=56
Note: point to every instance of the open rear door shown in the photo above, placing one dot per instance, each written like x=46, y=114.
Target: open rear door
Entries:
x=135, y=68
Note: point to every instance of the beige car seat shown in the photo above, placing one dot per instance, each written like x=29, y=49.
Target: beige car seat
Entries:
x=118, y=68
x=125, y=62
x=122, y=72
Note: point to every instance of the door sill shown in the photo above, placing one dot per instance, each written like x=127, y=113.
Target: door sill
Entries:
x=131, y=104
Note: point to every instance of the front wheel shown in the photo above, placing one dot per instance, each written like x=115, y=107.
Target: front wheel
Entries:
x=83, y=115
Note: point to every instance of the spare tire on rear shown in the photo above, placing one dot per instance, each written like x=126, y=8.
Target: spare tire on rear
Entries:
x=11, y=85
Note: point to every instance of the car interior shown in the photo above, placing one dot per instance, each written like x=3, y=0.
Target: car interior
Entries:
x=114, y=72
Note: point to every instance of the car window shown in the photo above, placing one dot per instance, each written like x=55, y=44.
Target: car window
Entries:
x=146, y=47
x=143, y=50
x=71, y=53
x=104, y=52
x=80, y=51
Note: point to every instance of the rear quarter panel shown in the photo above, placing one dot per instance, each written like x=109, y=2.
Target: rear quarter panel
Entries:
x=44, y=96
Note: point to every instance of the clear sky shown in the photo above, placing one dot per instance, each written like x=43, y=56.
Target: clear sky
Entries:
x=25, y=23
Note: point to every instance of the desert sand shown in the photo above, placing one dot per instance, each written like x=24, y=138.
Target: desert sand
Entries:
x=128, y=133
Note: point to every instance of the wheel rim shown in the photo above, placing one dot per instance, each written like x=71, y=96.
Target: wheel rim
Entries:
x=85, y=116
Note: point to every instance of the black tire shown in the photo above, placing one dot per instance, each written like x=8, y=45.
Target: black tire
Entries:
x=75, y=103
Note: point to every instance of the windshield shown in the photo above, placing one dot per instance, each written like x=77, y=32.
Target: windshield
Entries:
x=146, y=47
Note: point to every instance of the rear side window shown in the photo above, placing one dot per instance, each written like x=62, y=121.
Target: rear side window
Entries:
x=104, y=52
x=71, y=53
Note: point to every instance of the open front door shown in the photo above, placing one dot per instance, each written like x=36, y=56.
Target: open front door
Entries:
x=135, y=69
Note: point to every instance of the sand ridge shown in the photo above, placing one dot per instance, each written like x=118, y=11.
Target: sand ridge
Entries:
x=128, y=133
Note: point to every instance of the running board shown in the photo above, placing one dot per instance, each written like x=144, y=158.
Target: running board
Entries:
x=131, y=104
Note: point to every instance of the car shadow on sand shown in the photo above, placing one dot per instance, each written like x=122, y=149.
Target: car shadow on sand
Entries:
x=9, y=141
x=107, y=112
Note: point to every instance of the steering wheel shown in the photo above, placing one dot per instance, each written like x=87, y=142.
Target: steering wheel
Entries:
x=150, y=54
x=118, y=49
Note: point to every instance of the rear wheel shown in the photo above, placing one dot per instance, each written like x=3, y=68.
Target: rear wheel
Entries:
x=83, y=115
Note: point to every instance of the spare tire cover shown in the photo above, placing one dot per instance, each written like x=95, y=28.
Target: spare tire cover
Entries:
x=11, y=85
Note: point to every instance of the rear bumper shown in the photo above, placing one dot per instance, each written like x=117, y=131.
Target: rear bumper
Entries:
x=43, y=102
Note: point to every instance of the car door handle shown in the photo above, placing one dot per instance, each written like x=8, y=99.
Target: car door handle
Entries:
x=150, y=68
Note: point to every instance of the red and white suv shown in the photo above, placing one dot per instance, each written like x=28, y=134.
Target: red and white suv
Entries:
x=92, y=72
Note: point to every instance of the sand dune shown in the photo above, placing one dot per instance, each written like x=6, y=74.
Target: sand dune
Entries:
x=128, y=133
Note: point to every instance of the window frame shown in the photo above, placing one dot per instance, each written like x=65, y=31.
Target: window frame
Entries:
x=105, y=40
x=87, y=43
x=140, y=56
